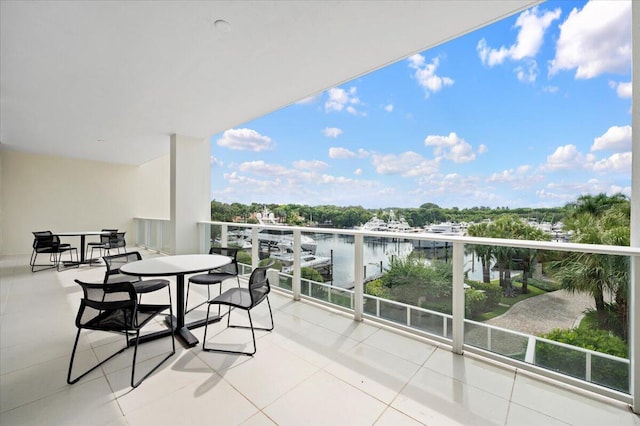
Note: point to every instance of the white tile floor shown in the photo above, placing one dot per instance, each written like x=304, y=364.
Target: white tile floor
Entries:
x=316, y=367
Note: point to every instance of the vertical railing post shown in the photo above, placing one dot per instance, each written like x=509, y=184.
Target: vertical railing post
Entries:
x=297, y=243
x=358, y=277
x=159, y=236
x=204, y=229
x=457, y=308
x=147, y=234
x=634, y=279
x=224, y=237
x=530, y=355
x=587, y=367
x=255, y=248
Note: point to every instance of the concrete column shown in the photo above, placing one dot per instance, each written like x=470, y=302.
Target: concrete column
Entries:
x=190, y=192
x=634, y=291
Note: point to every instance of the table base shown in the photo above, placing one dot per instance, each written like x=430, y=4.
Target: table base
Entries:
x=183, y=334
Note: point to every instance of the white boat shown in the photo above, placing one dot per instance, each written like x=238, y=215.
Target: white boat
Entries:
x=374, y=224
x=444, y=228
x=236, y=239
x=397, y=225
x=284, y=254
x=283, y=236
x=393, y=225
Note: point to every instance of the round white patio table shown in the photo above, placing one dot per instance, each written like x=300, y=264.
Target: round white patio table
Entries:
x=178, y=265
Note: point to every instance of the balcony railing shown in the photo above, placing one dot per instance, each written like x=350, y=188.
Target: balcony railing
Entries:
x=595, y=371
x=153, y=234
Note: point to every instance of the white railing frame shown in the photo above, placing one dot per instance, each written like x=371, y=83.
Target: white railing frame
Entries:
x=457, y=318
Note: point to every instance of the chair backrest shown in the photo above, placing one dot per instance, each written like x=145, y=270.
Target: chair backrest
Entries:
x=108, y=238
x=231, y=268
x=115, y=262
x=45, y=239
x=259, y=284
x=107, y=307
x=117, y=240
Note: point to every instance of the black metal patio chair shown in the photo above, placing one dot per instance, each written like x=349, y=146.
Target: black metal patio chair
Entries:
x=246, y=299
x=45, y=242
x=115, y=308
x=215, y=276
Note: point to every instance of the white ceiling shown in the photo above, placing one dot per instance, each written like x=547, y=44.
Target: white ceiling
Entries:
x=111, y=80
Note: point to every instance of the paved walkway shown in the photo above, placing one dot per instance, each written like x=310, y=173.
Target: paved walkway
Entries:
x=541, y=314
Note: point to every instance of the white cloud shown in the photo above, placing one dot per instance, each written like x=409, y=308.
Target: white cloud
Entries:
x=616, y=138
x=245, y=140
x=340, y=99
x=518, y=178
x=262, y=168
x=310, y=165
x=622, y=89
x=595, y=40
x=548, y=195
x=215, y=162
x=527, y=73
x=332, y=132
x=566, y=191
x=567, y=157
x=550, y=89
x=329, y=179
x=362, y=153
x=406, y=164
x=358, y=172
x=618, y=162
x=532, y=25
x=482, y=149
x=341, y=153
x=452, y=147
x=426, y=76
x=388, y=108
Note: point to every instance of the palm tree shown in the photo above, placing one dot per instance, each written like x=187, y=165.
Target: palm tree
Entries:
x=483, y=253
x=595, y=274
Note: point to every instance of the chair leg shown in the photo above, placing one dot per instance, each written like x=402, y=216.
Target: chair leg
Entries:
x=253, y=335
x=70, y=250
x=186, y=302
x=33, y=264
x=255, y=328
x=134, y=383
x=204, y=338
x=73, y=354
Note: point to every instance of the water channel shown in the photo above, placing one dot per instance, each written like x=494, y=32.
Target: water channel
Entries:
x=377, y=256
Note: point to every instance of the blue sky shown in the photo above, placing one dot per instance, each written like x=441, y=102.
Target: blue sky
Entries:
x=531, y=111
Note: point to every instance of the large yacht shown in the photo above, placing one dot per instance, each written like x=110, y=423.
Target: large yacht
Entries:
x=443, y=228
x=281, y=236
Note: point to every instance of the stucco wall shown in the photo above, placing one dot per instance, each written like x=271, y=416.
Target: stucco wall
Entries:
x=41, y=192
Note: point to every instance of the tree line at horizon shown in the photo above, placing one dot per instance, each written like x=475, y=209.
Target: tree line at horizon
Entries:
x=352, y=216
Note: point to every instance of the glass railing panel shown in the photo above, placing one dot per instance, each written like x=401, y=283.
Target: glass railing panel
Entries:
x=432, y=322
x=141, y=232
x=410, y=283
x=563, y=311
x=565, y=360
x=165, y=236
x=612, y=373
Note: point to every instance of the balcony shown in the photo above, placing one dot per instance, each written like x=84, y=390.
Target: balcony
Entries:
x=318, y=366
